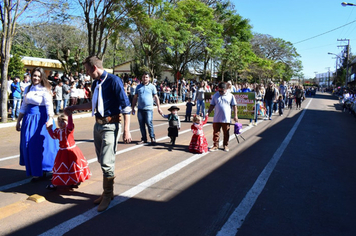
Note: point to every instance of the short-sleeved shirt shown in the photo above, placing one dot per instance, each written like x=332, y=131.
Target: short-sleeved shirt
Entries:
x=283, y=89
x=145, y=95
x=59, y=93
x=222, y=109
x=66, y=92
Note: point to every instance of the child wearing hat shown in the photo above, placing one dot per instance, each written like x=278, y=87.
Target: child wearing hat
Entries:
x=174, y=123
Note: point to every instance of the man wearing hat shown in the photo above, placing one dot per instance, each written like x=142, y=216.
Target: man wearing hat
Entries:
x=174, y=123
x=221, y=103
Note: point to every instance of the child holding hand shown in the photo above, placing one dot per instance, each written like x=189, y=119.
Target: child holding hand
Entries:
x=70, y=166
x=280, y=105
x=174, y=123
x=198, y=144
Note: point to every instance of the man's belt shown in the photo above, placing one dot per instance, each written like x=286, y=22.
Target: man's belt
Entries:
x=108, y=119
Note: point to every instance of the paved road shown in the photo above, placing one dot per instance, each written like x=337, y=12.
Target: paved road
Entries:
x=293, y=175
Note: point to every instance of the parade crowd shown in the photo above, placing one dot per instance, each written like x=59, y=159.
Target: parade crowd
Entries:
x=112, y=100
x=69, y=89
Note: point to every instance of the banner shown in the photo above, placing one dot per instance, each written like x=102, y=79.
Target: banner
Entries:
x=245, y=105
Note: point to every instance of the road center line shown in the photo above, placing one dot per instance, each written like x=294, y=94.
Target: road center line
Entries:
x=237, y=218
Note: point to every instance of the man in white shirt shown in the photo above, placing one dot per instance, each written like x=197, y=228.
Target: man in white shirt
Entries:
x=221, y=103
x=58, y=95
x=26, y=82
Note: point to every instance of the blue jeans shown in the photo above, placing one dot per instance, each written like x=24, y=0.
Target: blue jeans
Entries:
x=257, y=108
x=269, y=107
x=65, y=103
x=16, y=103
x=145, y=118
x=58, y=105
x=201, y=106
x=193, y=96
x=165, y=97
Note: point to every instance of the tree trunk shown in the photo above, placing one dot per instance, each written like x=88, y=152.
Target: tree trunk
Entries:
x=4, y=72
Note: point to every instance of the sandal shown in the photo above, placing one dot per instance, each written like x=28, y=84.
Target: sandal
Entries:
x=51, y=187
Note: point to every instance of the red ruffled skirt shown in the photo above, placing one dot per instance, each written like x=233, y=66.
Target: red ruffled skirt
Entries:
x=70, y=167
x=198, y=144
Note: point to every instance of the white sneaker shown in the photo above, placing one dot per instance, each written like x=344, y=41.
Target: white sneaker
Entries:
x=250, y=125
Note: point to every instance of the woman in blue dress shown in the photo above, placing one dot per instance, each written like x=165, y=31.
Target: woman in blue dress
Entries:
x=37, y=149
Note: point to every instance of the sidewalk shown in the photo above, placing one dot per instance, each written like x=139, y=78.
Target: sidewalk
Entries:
x=11, y=123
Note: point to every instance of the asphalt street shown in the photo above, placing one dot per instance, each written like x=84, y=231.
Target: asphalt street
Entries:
x=293, y=175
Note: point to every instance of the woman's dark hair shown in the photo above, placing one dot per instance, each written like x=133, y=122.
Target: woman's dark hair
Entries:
x=44, y=81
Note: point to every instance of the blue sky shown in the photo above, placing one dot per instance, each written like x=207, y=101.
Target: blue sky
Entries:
x=295, y=21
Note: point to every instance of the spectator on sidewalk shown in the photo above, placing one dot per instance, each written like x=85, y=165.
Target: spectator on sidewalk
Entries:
x=58, y=96
x=26, y=82
x=66, y=93
x=16, y=97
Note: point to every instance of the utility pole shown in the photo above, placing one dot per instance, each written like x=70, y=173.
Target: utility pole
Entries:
x=315, y=80
x=328, y=76
x=347, y=58
x=335, y=68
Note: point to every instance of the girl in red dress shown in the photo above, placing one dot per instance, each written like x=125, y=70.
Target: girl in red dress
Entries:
x=198, y=144
x=70, y=166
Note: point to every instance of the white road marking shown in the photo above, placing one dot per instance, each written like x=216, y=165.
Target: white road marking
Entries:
x=89, y=140
x=74, y=222
x=25, y=181
x=237, y=218
x=78, y=220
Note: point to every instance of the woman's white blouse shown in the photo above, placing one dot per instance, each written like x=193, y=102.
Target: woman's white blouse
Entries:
x=37, y=95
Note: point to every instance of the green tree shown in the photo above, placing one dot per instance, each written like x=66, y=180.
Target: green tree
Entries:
x=282, y=53
x=11, y=12
x=16, y=67
x=23, y=45
x=190, y=22
x=236, y=51
x=148, y=33
x=102, y=19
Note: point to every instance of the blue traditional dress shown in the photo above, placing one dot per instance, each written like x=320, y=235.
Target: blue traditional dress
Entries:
x=37, y=149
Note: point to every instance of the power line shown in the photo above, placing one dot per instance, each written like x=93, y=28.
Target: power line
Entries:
x=326, y=32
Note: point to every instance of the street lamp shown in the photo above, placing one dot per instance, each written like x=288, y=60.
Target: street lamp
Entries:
x=344, y=4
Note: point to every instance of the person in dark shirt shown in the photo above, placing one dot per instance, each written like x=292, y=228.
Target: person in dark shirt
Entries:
x=270, y=97
x=110, y=101
x=188, y=111
x=280, y=103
